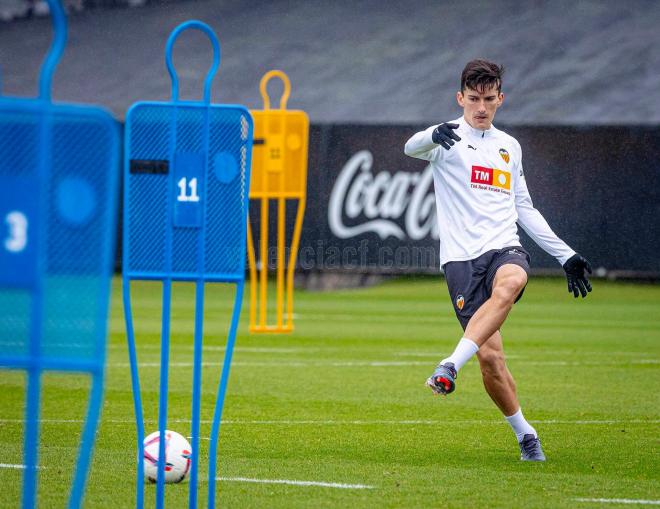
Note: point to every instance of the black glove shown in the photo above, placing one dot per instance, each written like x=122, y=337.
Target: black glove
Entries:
x=444, y=135
x=577, y=280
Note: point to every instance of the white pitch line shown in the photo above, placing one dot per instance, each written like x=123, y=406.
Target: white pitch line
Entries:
x=337, y=364
x=350, y=364
x=299, y=483
x=588, y=363
x=17, y=467
x=218, y=348
x=618, y=501
x=554, y=353
x=312, y=422
x=306, y=349
x=436, y=355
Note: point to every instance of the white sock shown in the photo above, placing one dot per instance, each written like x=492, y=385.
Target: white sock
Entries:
x=465, y=349
x=520, y=425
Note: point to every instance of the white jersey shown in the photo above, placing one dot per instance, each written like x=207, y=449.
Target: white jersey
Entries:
x=480, y=194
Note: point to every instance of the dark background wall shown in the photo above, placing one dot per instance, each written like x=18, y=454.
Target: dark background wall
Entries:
x=596, y=186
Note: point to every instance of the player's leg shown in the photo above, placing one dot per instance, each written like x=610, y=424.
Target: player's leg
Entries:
x=510, y=280
x=498, y=382
x=466, y=282
x=486, y=288
x=501, y=388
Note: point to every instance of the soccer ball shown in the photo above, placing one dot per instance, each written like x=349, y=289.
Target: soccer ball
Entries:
x=177, y=457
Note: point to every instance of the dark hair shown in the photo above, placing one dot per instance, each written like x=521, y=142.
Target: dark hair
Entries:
x=481, y=74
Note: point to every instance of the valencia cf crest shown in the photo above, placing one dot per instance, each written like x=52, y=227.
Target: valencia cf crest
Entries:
x=460, y=302
x=505, y=155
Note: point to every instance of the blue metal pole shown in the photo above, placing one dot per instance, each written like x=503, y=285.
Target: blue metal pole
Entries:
x=31, y=443
x=162, y=402
x=33, y=397
x=137, y=398
x=56, y=48
x=217, y=415
x=33, y=402
x=197, y=391
x=199, y=320
x=87, y=443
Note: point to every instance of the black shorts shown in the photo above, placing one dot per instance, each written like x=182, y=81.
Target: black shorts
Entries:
x=471, y=282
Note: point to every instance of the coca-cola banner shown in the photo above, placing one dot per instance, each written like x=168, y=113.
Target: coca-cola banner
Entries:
x=372, y=208
x=369, y=206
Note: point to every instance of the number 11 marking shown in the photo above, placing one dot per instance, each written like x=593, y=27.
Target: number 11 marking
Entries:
x=193, y=197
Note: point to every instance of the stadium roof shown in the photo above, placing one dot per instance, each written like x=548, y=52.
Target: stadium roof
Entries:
x=363, y=61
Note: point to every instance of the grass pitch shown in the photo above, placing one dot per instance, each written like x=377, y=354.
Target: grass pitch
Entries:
x=342, y=401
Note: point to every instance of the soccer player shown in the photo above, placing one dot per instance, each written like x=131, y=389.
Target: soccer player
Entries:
x=481, y=194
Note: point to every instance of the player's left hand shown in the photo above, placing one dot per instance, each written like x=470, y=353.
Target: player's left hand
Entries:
x=575, y=268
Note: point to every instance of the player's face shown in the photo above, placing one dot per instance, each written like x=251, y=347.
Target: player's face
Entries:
x=479, y=107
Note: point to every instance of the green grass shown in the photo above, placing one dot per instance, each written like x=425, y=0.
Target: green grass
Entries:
x=342, y=400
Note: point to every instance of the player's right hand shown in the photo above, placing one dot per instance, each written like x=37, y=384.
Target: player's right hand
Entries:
x=444, y=135
x=576, y=267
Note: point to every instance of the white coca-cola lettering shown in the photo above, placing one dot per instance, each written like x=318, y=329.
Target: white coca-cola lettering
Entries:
x=354, y=204
x=396, y=198
x=381, y=199
x=421, y=214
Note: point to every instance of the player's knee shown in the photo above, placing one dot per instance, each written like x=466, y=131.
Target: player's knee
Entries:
x=508, y=288
x=504, y=294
